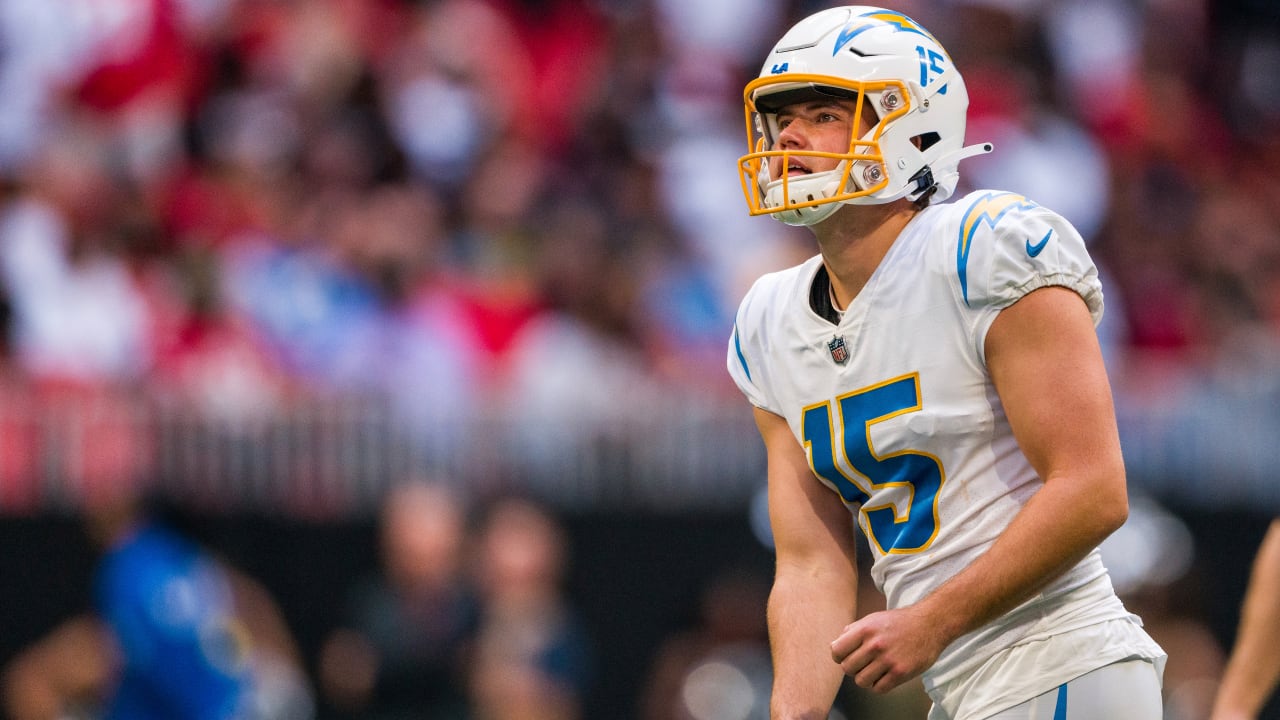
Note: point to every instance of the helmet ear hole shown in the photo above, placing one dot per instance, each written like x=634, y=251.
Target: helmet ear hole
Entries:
x=924, y=141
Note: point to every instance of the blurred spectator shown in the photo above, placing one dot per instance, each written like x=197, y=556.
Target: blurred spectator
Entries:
x=42, y=50
x=562, y=43
x=719, y=669
x=208, y=356
x=175, y=631
x=400, y=651
x=567, y=367
x=531, y=659
x=79, y=314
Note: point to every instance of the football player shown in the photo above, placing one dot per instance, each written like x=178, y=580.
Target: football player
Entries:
x=933, y=374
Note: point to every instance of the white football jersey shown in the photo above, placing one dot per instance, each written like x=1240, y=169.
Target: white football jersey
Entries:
x=896, y=410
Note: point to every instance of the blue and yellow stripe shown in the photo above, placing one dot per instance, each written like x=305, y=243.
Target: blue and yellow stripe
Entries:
x=987, y=209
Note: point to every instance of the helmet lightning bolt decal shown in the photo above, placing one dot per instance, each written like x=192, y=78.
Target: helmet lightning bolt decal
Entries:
x=897, y=21
x=987, y=209
x=848, y=32
x=902, y=23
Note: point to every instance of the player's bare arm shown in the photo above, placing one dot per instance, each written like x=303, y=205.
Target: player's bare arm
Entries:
x=1043, y=356
x=67, y=668
x=815, y=587
x=1253, y=672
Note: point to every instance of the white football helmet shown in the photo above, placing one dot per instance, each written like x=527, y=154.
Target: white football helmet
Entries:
x=895, y=70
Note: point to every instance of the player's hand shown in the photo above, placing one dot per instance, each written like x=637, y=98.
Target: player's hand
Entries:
x=885, y=649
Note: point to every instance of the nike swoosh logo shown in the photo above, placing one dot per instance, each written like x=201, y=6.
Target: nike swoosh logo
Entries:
x=1034, y=250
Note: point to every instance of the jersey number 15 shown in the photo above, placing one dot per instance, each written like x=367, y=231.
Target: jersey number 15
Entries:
x=897, y=492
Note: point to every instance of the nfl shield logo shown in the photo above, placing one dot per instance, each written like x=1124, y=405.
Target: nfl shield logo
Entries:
x=839, y=352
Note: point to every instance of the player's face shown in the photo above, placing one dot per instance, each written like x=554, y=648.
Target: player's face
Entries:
x=822, y=125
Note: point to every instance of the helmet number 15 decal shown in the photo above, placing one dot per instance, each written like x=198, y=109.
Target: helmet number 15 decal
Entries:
x=897, y=492
x=931, y=64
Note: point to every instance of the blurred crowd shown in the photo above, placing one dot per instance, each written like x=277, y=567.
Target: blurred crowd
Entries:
x=463, y=617
x=464, y=620
x=533, y=203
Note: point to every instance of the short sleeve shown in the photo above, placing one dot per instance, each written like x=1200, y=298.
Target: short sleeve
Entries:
x=746, y=354
x=1009, y=246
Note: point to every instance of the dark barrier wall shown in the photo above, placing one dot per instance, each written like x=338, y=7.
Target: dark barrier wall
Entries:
x=635, y=578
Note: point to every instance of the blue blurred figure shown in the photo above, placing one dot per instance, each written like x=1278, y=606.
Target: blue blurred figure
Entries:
x=174, y=633
x=170, y=607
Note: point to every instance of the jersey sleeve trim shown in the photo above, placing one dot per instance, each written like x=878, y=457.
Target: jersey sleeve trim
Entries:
x=737, y=348
x=1081, y=286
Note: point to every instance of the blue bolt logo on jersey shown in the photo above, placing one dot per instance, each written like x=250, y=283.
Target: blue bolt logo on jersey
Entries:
x=987, y=210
